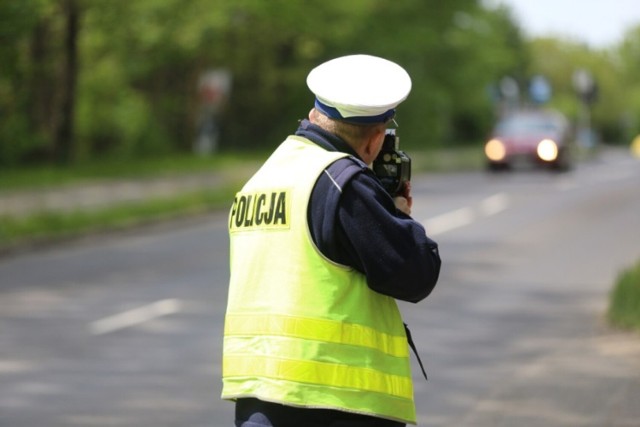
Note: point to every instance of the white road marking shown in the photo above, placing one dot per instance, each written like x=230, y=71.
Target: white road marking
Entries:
x=464, y=216
x=494, y=204
x=448, y=221
x=135, y=317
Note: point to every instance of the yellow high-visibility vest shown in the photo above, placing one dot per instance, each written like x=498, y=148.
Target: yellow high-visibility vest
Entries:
x=301, y=330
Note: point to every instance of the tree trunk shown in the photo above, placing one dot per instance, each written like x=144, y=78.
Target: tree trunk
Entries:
x=64, y=140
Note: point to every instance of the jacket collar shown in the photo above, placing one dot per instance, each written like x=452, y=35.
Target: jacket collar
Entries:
x=324, y=139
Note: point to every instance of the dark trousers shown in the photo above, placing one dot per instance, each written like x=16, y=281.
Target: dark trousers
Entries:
x=256, y=413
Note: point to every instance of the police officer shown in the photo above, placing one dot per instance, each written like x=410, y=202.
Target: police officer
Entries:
x=320, y=253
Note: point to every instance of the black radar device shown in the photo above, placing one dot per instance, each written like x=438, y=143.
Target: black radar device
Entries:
x=392, y=166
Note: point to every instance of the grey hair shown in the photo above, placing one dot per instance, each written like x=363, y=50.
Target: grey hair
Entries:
x=354, y=134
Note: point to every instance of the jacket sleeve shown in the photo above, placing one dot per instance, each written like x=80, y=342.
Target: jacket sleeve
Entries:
x=360, y=227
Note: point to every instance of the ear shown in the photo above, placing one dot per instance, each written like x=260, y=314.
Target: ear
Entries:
x=371, y=148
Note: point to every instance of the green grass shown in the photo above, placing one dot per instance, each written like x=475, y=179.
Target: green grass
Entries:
x=447, y=160
x=36, y=177
x=47, y=225
x=29, y=178
x=235, y=168
x=624, y=303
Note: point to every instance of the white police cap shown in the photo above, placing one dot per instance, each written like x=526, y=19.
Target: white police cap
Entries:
x=359, y=88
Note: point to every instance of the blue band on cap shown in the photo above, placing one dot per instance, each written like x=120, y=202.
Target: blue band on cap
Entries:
x=335, y=114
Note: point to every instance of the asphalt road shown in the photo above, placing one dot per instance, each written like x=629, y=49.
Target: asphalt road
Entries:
x=125, y=329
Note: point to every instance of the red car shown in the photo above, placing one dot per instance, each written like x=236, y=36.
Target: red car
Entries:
x=537, y=137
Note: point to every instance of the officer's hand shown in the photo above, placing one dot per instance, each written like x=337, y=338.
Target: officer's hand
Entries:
x=404, y=201
x=403, y=204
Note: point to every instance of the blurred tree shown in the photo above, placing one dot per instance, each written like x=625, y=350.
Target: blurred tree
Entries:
x=628, y=56
x=486, y=46
x=141, y=62
x=27, y=86
x=453, y=51
x=81, y=79
x=138, y=76
x=558, y=60
x=38, y=54
x=64, y=141
x=270, y=47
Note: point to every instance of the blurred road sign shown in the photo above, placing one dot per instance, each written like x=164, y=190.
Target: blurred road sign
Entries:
x=585, y=85
x=214, y=87
x=539, y=89
x=509, y=88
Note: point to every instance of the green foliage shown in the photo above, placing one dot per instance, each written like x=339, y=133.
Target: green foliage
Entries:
x=140, y=63
x=628, y=56
x=558, y=60
x=624, y=306
x=114, y=119
x=18, y=78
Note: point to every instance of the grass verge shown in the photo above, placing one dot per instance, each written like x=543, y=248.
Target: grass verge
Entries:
x=30, y=178
x=447, y=160
x=49, y=225
x=624, y=303
x=41, y=226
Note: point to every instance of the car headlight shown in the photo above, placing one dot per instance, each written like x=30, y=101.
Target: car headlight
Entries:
x=495, y=150
x=547, y=150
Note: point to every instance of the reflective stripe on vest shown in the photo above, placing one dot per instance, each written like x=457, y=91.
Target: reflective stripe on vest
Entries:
x=341, y=376
x=317, y=329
